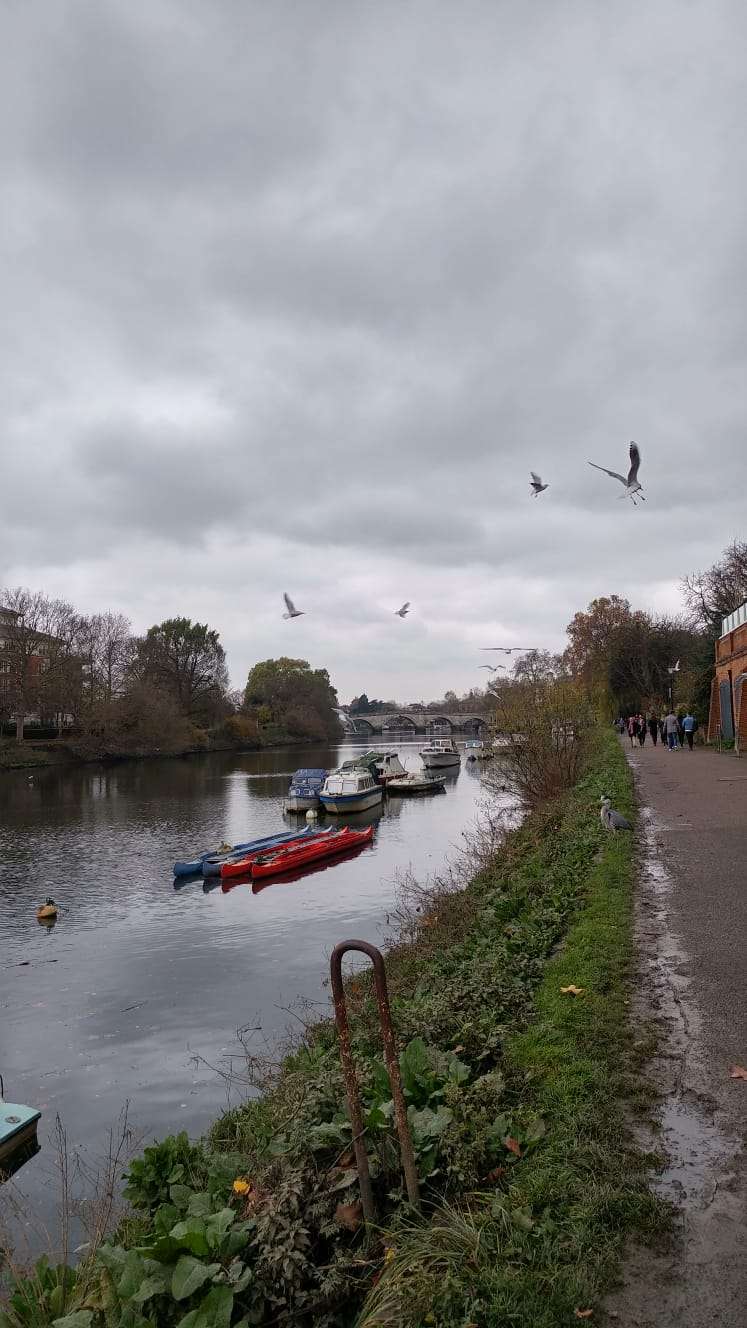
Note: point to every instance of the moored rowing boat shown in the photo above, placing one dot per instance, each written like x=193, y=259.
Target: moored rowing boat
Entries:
x=240, y=866
x=296, y=855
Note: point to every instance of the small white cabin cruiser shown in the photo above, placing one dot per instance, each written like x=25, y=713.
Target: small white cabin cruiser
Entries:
x=440, y=753
x=350, y=791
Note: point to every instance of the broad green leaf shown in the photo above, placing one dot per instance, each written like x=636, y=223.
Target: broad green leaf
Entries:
x=217, y=1224
x=155, y=1284
x=214, y=1311
x=180, y=1195
x=200, y=1204
x=191, y=1235
x=189, y=1275
x=78, y=1319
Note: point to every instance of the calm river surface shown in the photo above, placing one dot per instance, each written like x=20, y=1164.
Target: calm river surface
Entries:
x=138, y=980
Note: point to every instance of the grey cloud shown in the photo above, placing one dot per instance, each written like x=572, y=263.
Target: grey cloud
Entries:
x=330, y=279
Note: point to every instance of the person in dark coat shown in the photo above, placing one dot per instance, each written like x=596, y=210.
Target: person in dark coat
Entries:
x=653, y=726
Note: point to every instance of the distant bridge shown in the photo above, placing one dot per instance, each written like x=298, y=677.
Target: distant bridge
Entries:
x=400, y=723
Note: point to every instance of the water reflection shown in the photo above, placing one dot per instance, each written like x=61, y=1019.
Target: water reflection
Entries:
x=143, y=973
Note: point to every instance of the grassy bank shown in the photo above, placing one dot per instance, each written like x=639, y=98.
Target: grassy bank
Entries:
x=516, y=1094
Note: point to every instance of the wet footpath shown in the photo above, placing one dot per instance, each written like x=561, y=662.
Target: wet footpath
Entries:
x=691, y=925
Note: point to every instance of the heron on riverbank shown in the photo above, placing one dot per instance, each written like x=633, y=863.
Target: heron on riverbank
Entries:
x=612, y=820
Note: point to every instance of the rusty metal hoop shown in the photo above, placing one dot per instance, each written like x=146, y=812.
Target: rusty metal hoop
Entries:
x=391, y=1060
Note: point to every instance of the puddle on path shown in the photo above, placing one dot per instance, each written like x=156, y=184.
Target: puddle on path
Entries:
x=697, y=1150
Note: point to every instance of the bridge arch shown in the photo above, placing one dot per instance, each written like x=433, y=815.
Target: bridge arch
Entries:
x=361, y=725
x=473, y=724
x=439, y=724
x=400, y=722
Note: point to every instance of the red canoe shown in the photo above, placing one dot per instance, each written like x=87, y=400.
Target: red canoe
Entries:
x=242, y=866
x=296, y=855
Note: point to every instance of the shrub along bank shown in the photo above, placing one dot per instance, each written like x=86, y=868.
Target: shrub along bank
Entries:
x=516, y=1091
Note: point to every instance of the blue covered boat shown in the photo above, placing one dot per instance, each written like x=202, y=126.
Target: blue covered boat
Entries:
x=303, y=794
x=18, y=1141
x=197, y=865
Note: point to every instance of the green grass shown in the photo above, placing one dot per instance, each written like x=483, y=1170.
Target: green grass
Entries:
x=584, y=1189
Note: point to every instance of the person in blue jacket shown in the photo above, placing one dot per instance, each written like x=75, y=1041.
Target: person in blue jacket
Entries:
x=689, y=725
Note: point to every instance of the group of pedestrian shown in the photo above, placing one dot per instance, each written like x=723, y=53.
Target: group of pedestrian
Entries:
x=673, y=731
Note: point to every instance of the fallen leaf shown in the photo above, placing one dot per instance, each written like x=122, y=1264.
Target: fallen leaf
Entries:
x=572, y=991
x=458, y=1047
x=583, y=1314
x=737, y=1072
x=389, y=1254
x=512, y=1145
x=496, y=1174
x=349, y=1216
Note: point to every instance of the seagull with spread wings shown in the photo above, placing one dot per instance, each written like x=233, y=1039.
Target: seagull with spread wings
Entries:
x=675, y=668
x=493, y=667
x=293, y=612
x=403, y=612
x=632, y=487
x=537, y=484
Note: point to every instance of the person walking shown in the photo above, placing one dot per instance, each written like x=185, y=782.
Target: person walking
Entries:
x=670, y=728
x=653, y=726
x=689, y=724
x=633, y=729
x=641, y=731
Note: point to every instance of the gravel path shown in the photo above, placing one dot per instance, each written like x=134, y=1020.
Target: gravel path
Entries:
x=691, y=924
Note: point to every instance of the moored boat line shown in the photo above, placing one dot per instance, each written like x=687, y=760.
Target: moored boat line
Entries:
x=292, y=856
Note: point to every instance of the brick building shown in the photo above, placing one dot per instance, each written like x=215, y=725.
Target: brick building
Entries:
x=728, y=712
x=34, y=660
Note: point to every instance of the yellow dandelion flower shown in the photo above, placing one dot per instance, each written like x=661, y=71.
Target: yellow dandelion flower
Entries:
x=241, y=1186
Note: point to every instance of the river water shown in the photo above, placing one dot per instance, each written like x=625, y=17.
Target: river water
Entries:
x=141, y=987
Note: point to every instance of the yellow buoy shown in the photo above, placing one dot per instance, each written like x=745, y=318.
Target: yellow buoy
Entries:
x=47, y=910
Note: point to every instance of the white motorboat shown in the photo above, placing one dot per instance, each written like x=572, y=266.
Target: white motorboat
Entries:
x=390, y=767
x=411, y=784
x=350, y=791
x=440, y=753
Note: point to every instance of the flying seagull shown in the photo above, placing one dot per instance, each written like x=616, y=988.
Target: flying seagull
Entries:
x=293, y=612
x=612, y=820
x=403, y=612
x=493, y=667
x=675, y=668
x=632, y=487
x=537, y=484
x=512, y=650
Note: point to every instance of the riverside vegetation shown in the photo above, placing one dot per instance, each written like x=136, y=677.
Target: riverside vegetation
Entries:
x=509, y=1001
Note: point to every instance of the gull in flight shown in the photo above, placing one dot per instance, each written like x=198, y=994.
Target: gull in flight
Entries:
x=493, y=667
x=675, y=668
x=293, y=612
x=403, y=612
x=632, y=487
x=537, y=484
x=508, y=650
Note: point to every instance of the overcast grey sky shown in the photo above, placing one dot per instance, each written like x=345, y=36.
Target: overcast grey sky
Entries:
x=295, y=294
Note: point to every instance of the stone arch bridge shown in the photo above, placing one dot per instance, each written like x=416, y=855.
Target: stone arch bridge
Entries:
x=399, y=723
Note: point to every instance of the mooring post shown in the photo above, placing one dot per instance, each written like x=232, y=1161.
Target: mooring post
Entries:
x=351, y=1080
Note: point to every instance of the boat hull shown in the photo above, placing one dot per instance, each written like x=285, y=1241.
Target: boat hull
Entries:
x=414, y=787
x=17, y=1134
x=242, y=866
x=296, y=802
x=296, y=856
x=440, y=760
x=351, y=802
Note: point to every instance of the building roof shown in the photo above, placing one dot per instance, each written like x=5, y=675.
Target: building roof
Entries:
x=734, y=619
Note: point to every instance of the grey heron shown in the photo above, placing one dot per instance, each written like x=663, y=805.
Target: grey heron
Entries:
x=612, y=820
x=293, y=612
x=630, y=482
x=537, y=484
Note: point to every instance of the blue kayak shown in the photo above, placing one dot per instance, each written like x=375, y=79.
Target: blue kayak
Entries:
x=198, y=864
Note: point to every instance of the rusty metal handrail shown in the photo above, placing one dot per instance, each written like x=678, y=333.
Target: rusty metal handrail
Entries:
x=407, y=1155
